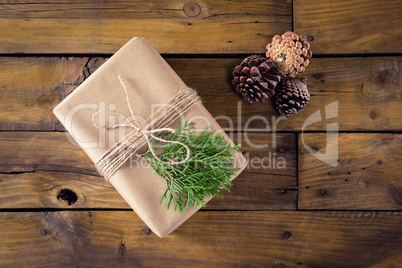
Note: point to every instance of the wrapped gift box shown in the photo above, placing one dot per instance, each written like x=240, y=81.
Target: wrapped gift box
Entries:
x=150, y=82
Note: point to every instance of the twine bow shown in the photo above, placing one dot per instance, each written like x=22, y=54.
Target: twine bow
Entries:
x=117, y=155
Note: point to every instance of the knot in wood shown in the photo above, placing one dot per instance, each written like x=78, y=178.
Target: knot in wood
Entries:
x=192, y=9
x=365, y=183
x=67, y=195
x=386, y=77
x=373, y=115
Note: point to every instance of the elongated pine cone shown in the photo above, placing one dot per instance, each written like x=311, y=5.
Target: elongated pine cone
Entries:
x=290, y=52
x=291, y=96
x=255, y=78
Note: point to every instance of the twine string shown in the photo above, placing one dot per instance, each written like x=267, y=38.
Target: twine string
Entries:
x=118, y=154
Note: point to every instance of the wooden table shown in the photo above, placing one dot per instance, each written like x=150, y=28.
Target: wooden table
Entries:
x=56, y=212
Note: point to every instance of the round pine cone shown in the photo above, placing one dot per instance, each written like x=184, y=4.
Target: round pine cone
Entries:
x=255, y=78
x=290, y=53
x=291, y=96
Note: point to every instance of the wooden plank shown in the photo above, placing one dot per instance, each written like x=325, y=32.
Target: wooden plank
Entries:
x=217, y=238
x=350, y=26
x=103, y=27
x=368, y=175
x=31, y=87
x=368, y=92
x=44, y=170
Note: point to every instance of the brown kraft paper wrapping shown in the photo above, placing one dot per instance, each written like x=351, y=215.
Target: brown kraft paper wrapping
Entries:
x=150, y=82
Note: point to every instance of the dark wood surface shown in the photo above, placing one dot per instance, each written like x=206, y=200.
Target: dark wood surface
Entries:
x=209, y=238
x=350, y=26
x=103, y=27
x=56, y=211
x=368, y=175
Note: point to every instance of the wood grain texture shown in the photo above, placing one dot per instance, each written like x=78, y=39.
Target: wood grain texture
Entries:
x=103, y=27
x=367, y=177
x=31, y=87
x=35, y=167
x=350, y=26
x=368, y=91
x=217, y=238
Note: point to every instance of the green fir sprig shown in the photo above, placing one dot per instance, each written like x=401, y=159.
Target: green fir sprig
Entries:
x=206, y=172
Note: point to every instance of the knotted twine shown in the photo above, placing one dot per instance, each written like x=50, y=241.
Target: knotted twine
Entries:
x=165, y=115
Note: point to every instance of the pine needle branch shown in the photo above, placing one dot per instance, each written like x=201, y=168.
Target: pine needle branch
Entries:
x=207, y=172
